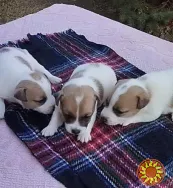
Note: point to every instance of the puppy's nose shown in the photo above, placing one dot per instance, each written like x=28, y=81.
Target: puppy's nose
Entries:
x=104, y=119
x=75, y=131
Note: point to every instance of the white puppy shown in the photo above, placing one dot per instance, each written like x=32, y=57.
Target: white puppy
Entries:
x=88, y=88
x=25, y=81
x=140, y=100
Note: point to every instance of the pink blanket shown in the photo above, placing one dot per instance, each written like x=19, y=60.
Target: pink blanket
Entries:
x=144, y=51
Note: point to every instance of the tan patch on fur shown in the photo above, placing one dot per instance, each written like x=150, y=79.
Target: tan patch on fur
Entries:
x=132, y=101
x=4, y=49
x=68, y=100
x=88, y=101
x=22, y=60
x=69, y=104
x=36, y=76
x=29, y=93
x=100, y=88
x=77, y=74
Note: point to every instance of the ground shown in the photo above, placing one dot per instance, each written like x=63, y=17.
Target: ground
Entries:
x=151, y=16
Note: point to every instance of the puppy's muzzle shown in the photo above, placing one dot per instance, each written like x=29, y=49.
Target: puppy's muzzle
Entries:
x=75, y=131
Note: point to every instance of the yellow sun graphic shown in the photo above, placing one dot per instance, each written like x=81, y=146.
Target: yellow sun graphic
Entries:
x=151, y=172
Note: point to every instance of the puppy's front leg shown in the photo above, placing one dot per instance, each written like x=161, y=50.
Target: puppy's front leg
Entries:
x=55, y=122
x=85, y=136
x=2, y=108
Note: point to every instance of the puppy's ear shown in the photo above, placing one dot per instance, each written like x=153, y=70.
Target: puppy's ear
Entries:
x=20, y=94
x=58, y=96
x=142, y=100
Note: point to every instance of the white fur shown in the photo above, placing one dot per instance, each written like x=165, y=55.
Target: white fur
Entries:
x=160, y=87
x=55, y=122
x=13, y=71
x=107, y=78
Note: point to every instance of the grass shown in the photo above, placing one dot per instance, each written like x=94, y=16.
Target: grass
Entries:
x=154, y=17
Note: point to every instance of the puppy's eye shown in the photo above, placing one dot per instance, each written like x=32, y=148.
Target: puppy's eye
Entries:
x=84, y=120
x=118, y=112
x=86, y=116
x=68, y=116
x=42, y=101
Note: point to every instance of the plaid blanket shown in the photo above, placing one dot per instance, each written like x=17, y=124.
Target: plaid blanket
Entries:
x=112, y=157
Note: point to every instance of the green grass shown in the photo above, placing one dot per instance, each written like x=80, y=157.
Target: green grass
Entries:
x=156, y=20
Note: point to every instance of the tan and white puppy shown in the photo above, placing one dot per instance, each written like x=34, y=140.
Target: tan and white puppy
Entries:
x=88, y=88
x=140, y=100
x=25, y=81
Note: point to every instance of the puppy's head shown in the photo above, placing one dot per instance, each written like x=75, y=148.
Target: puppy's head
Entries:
x=35, y=94
x=127, y=100
x=77, y=104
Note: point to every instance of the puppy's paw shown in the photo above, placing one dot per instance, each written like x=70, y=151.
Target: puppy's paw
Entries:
x=55, y=80
x=49, y=131
x=84, y=137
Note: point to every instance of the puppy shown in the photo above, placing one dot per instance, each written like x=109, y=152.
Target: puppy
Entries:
x=77, y=103
x=25, y=81
x=140, y=100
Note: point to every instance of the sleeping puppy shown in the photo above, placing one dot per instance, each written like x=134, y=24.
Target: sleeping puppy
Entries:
x=77, y=103
x=25, y=81
x=140, y=100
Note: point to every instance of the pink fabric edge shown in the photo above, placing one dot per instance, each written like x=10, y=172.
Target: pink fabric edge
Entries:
x=18, y=168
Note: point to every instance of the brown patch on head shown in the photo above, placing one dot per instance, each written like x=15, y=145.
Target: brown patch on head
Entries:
x=76, y=102
x=36, y=75
x=22, y=60
x=78, y=74
x=68, y=103
x=4, y=49
x=87, y=105
x=129, y=103
x=30, y=93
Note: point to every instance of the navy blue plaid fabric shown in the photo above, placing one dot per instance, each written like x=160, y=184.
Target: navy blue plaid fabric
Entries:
x=112, y=157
